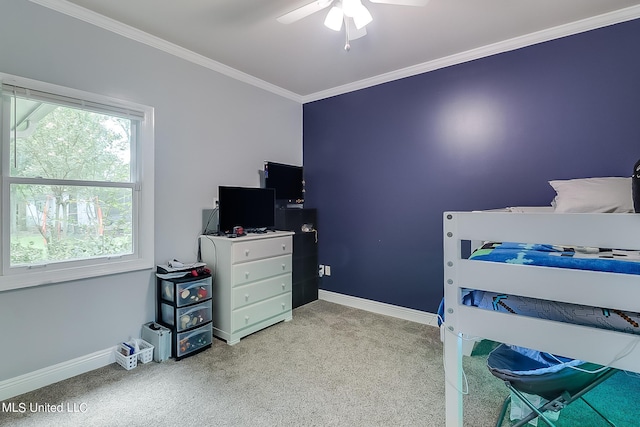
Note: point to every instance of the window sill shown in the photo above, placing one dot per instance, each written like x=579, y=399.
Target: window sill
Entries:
x=39, y=278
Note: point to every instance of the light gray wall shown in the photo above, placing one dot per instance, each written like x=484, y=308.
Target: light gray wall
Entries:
x=210, y=130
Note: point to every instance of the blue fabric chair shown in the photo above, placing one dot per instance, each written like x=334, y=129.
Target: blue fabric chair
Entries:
x=559, y=381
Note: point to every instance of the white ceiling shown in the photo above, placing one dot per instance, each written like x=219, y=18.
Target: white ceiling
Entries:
x=306, y=61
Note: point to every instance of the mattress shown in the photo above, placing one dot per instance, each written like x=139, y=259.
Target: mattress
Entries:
x=595, y=259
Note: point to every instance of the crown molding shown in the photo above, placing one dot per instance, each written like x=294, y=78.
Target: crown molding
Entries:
x=592, y=23
x=127, y=31
x=584, y=25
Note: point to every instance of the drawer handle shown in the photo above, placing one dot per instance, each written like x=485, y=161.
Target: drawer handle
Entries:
x=246, y=252
x=246, y=319
x=246, y=274
x=284, y=247
x=284, y=266
x=283, y=306
x=246, y=297
x=284, y=286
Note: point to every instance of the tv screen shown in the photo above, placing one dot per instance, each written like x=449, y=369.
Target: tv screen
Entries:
x=250, y=208
x=287, y=180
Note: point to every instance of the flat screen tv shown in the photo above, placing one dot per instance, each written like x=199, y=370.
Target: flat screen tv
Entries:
x=250, y=208
x=287, y=180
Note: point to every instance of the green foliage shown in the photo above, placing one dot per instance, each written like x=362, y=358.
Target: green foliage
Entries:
x=76, y=221
x=22, y=253
x=75, y=145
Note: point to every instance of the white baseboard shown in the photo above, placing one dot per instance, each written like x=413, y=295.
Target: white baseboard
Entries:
x=410, y=314
x=52, y=374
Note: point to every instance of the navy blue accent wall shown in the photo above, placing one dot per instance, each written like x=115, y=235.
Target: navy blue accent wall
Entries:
x=383, y=163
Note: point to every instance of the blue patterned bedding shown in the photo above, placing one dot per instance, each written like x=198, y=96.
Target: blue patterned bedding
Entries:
x=579, y=258
x=608, y=260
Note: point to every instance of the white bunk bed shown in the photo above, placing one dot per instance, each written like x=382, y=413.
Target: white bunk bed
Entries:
x=592, y=288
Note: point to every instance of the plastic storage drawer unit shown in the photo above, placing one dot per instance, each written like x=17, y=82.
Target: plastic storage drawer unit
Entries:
x=184, y=306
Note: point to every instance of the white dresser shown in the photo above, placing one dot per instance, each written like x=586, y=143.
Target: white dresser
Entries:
x=251, y=281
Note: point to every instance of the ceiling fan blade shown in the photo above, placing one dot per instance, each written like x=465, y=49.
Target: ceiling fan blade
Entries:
x=402, y=2
x=304, y=11
x=354, y=33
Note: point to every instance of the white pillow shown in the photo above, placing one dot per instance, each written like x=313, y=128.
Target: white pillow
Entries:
x=608, y=194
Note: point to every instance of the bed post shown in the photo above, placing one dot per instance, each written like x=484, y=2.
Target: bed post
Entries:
x=453, y=379
x=452, y=336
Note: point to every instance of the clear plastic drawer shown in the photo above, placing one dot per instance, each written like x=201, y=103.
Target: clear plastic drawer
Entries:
x=188, y=342
x=187, y=317
x=186, y=292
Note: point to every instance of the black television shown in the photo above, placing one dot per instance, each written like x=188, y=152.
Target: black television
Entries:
x=250, y=208
x=287, y=180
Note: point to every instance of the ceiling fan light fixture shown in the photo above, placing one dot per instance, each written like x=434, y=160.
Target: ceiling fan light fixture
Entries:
x=362, y=17
x=351, y=7
x=334, y=18
x=352, y=12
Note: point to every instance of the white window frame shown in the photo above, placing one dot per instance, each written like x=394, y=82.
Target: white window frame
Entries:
x=142, y=160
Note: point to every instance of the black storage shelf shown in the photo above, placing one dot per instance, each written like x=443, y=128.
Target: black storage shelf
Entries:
x=305, y=252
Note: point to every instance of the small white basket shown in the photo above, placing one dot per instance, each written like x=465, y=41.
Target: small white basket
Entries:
x=127, y=362
x=145, y=355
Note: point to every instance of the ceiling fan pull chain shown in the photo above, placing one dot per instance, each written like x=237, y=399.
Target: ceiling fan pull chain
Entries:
x=347, y=46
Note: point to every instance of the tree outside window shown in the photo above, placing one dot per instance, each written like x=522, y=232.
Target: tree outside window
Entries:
x=71, y=191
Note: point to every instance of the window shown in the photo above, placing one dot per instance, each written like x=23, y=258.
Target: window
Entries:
x=77, y=184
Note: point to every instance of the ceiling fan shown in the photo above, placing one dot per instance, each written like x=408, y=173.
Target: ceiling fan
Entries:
x=352, y=12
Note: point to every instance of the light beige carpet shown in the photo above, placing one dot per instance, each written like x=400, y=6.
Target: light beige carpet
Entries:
x=331, y=366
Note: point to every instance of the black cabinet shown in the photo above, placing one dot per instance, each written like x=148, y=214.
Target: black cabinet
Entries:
x=303, y=222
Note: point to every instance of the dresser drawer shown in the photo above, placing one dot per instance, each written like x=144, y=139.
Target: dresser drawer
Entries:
x=187, y=317
x=258, y=291
x=258, y=249
x=257, y=270
x=247, y=316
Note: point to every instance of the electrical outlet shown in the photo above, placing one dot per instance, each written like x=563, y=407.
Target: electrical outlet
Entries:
x=320, y=270
x=327, y=270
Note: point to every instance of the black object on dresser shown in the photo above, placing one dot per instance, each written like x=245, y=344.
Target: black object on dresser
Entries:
x=305, y=252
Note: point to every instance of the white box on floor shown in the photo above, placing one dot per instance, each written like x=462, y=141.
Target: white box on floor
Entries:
x=160, y=338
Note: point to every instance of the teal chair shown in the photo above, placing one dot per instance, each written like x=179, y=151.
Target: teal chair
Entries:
x=559, y=381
